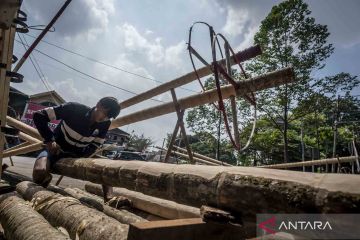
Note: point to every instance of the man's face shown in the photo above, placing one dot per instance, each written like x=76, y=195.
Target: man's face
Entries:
x=99, y=114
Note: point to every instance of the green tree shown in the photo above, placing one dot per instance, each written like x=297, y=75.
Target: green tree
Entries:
x=139, y=142
x=289, y=36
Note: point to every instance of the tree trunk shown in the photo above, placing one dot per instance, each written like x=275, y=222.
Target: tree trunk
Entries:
x=122, y=216
x=67, y=212
x=244, y=190
x=21, y=222
x=157, y=206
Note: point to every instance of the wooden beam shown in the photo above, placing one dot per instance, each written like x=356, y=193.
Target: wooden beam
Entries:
x=7, y=36
x=156, y=206
x=245, y=190
x=255, y=84
x=202, y=72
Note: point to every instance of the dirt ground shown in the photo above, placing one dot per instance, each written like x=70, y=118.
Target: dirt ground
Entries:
x=24, y=166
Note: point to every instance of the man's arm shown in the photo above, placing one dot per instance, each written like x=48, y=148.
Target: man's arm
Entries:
x=97, y=142
x=43, y=117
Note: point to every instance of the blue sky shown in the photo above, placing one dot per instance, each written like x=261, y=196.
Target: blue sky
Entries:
x=149, y=38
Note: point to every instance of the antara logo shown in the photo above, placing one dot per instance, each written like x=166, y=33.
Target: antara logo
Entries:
x=305, y=225
x=271, y=221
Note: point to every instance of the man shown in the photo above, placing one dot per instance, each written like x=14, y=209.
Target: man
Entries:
x=80, y=132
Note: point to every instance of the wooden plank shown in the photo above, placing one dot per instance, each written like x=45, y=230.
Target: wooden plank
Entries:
x=180, y=229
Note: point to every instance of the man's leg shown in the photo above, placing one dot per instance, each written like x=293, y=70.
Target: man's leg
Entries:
x=41, y=171
x=107, y=192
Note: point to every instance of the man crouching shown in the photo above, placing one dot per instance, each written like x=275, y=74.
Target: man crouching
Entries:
x=80, y=132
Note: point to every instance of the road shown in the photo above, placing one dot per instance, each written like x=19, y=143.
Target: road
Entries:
x=24, y=166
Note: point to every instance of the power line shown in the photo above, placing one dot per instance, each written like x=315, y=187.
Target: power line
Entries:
x=32, y=62
x=105, y=64
x=85, y=74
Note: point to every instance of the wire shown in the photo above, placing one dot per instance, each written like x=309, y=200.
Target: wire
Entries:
x=105, y=64
x=85, y=74
x=32, y=62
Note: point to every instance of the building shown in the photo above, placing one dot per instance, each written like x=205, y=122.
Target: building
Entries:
x=117, y=136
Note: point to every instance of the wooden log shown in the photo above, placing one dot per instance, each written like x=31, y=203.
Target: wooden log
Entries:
x=21, y=222
x=245, y=190
x=202, y=72
x=157, y=206
x=255, y=84
x=80, y=221
x=94, y=201
x=209, y=159
x=23, y=127
x=30, y=148
x=311, y=163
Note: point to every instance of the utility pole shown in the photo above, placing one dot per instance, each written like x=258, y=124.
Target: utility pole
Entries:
x=336, y=114
x=302, y=144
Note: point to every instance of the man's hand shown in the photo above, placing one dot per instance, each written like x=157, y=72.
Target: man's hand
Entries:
x=53, y=148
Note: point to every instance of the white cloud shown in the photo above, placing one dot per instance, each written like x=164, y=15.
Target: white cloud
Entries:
x=81, y=18
x=236, y=20
x=153, y=49
x=248, y=39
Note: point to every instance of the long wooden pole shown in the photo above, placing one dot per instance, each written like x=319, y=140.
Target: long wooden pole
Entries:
x=197, y=160
x=22, y=150
x=258, y=83
x=157, y=206
x=245, y=190
x=202, y=72
x=209, y=159
x=23, y=127
x=311, y=163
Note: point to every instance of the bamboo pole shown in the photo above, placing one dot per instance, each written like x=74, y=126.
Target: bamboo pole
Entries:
x=200, y=160
x=23, y=144
x=21, y=222
x=157, y=206
x=80, y=221
x=258, y=83
x=245, y=190
x=209, y=159
x=94, y=201
x=30, y=148
x=23, y=127
x=242, y=56
x=311, y=163
x=28, y=138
